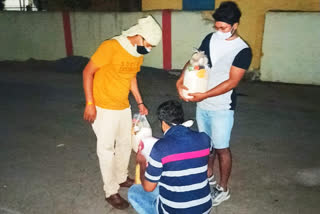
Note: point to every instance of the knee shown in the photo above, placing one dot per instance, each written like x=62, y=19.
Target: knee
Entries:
x=223, y=152
x=133, y=192
x=130, y=193
x=104, y=149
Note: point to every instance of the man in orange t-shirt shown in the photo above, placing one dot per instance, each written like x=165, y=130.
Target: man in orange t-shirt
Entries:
x=108, y=79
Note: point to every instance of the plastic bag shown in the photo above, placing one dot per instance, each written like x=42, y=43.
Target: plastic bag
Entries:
x=140, y=129
x=145, y=147
x=142, y=139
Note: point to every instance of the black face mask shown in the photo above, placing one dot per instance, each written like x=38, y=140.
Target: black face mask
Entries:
x=142, y=50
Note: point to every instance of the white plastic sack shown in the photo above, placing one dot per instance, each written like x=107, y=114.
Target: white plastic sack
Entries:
x=140, y=129
x=196, y=74
x=146, y=145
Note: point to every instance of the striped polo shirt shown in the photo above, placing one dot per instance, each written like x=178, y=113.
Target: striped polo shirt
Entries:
x=178, y=163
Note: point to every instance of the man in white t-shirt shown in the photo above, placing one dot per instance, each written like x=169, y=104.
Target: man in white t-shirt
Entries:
x=229, y=57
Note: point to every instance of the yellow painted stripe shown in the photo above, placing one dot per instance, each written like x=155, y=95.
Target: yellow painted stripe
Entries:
x=161, y=5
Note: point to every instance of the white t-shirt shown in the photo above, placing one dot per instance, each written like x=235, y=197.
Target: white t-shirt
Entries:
x=223, y=54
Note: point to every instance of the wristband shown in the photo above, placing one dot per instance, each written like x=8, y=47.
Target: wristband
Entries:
x=140, y=103
x=89, y=103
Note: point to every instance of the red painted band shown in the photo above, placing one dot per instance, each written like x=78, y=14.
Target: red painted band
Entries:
x=166, y=39
x=67, y=33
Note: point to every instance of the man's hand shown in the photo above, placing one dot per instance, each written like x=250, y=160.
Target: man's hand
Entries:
x=143, y=109
x=197, y=97
x=180, y=88
x=179, y=83
x=90, y=113
x=140, y=159
x=147, y=185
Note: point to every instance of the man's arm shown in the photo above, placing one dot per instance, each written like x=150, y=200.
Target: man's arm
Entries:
x=203, y=47
x=235, y=76
x=147, y=185
x=135, y=92
x=88, y=74
x=179, y=83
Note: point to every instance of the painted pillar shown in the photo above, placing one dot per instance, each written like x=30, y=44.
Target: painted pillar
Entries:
x=67, y=33
x=166, y=39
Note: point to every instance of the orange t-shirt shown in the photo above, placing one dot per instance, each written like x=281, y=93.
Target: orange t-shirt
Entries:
x=111, y=83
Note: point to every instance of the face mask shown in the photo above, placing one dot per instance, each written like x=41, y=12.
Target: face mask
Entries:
x=142, y=50
x=223, y=36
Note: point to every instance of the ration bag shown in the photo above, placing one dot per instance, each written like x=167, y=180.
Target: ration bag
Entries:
x=196, y=74
x=140, y=129
x=145, y=147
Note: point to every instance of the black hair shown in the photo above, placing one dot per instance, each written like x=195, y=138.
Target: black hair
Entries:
x=171, y=112
x=227, y=12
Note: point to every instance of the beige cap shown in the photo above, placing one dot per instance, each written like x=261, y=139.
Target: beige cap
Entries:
x=148, y=28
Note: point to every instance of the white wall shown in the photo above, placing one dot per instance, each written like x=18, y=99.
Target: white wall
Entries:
x=291, y=48
x=90, y=29
x=27, y=35
x=188, y=31
x=40, y=35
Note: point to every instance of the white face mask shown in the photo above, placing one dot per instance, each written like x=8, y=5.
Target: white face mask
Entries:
x=223, y=36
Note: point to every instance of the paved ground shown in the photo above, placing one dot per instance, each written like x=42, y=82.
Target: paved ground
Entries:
x=48, y=163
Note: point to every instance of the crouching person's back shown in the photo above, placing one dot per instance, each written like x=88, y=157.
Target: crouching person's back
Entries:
x=175, y=178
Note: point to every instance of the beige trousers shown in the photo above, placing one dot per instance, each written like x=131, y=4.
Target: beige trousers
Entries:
x=113, y=131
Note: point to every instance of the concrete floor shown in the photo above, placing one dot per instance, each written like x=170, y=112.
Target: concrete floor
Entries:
x=48, y=163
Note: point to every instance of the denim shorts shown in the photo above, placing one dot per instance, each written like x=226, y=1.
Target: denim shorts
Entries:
x=216, y=124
